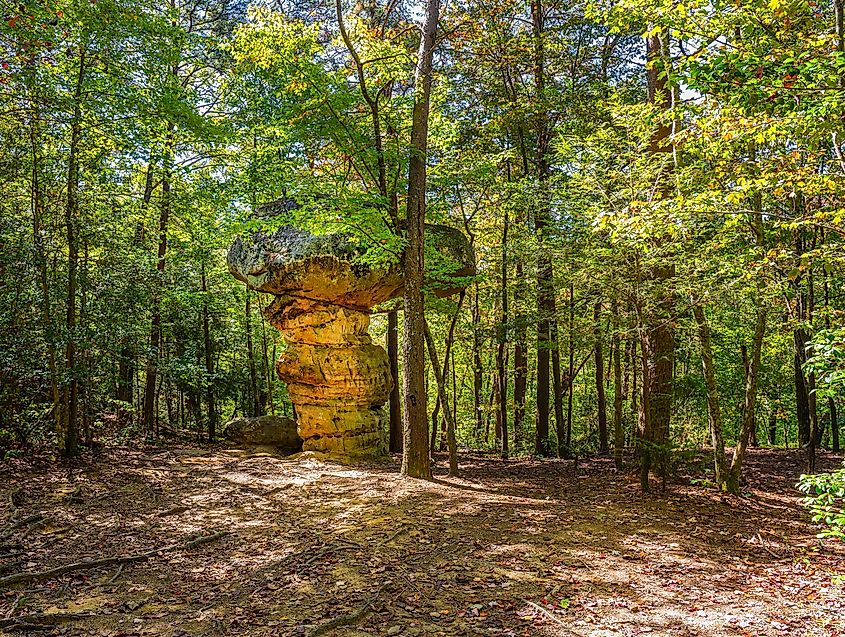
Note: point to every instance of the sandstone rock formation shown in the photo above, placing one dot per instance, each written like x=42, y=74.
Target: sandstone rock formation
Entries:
x=274, y=431
x=337, y=378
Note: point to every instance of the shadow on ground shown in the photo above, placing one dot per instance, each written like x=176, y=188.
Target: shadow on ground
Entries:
x=510, y=548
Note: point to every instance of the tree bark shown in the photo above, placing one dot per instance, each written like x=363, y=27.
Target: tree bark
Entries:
x=69, y=433
x=443, y=400
x=557, y=382
x=395, y=406
x=502, y=338
x=570, y=375
x=601, y=401
x=657, y=335
x=714, y=410
x=477, y=366
x=520, y=358
x=41, y=252
x=255, y=397
x=150, y=387
x=618, y=433
x=415, y=459
x=209, y=363
x=545, y=290
x=750, y=403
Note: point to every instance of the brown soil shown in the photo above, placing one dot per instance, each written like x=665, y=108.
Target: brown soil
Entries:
x=511, y=548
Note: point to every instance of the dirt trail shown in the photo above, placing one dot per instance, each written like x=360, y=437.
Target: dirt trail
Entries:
x=516, y=548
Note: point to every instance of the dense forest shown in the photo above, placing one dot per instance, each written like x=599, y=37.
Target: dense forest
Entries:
x=657, y=227
x=653, y=193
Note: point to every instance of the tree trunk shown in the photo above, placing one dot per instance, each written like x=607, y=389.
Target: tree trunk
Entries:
x=255, y=398
x=150, y=387
x=477, y=366
x=745, y=364
x=750, y=403
x=520, y=358
x=644, y=426
x=268, y=372
x=557, y=381
x=395, y=405
x=714, y=410
x=126, y=365
x=69, y=434
x=618, y=433
x=415, y=459
x=502, y=338
x=773, y=429
x=570, y=375
x=657, y=337
x=601, y=400
x=545, y=289
x=38, y=241
x=802, y=402
x=443, y=400
x=209, y=362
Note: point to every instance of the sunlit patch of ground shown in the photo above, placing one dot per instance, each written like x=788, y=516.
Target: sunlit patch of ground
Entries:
x=510, y=548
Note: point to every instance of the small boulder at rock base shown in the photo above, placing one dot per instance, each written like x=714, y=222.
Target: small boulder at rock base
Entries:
x=275, y=431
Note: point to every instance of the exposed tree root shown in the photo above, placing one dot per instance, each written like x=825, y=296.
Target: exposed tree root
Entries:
x=38, y=576
x=346, y=620
x=9, y=531
x=40, y=620
x=545, y=612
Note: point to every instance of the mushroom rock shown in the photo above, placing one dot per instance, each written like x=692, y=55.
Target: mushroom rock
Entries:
x=337, y=378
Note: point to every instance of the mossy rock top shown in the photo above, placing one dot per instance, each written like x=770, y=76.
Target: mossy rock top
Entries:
x=328, y=268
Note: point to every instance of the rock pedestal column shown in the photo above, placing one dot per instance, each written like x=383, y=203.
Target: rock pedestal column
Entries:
x=337, y=379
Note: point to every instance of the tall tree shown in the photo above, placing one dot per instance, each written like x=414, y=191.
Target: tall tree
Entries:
x=415, y=458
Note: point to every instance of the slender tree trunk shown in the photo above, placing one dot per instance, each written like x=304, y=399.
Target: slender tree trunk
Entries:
x=520, y=358
x=443, y=400
x=255, y=402
x=395, y=405
x=268, y=372
x=435, y=421
x=752, y=441
x=126, y=364
x=646, y=435
x=477, y=365
x=69, y=435
x=545, y=289
x=502, y=338
x=85, y=386
x=148, y=415
x=557, y=381
x=570, y=375
x=831, y=402
x=802, y=400
x=415, y=459
x=209, y=362
x=447, y=360
x=714, y=410
x=618, y=433
x=601, y=400
x=750, y=403
x=38, y=240
x=773, y=428
x=635, y=391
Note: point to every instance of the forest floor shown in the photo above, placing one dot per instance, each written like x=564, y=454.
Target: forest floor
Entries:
x=510, y=548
